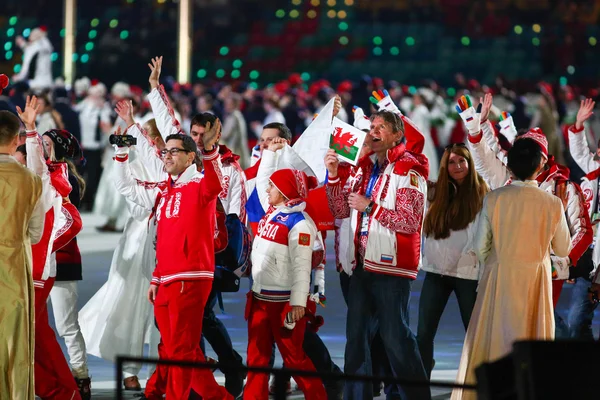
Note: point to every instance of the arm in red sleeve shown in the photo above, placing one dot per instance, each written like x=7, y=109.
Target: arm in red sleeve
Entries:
x=337, y=198
x=408, y=215
x=71, y=225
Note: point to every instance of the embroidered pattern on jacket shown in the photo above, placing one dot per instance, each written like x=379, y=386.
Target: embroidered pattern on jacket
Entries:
x=407, y=218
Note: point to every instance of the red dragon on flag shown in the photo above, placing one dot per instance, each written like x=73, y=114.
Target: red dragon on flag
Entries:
x=342, y=141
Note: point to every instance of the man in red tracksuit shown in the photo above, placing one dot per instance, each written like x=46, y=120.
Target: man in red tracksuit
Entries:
x=182, y=280
x=62, y=222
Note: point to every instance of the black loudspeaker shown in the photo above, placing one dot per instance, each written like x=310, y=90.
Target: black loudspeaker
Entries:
x=496, y=380
x=556, y=370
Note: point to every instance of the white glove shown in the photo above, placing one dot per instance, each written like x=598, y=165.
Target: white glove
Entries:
x=320, y=279
x=471, y=119
x=560, y=267
x=386, y=103
x=361, y=121
x=508, y=129
x=121, y=151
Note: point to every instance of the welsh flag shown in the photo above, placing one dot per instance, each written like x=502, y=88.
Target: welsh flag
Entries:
x=347, y=141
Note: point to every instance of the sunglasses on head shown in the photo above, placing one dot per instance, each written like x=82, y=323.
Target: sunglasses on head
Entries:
x=451, y=145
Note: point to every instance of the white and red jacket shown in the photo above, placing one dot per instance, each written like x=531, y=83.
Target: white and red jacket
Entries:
x=183, y=204
x=282, y=254
x=62, y=220
x=492, y=167
x=578, y=147
x=233, y=195
x=393, y=240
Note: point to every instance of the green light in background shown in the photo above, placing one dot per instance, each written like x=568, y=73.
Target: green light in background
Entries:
x=224, y=50
x=518, y=29
x=235, y=74
x=254, y=74
x=294, y=14
x=377, y=41
x=451, y=92
x=89, y=46
x=220, y=73
x=17, y=68
x=465, y=41
x=85, y=58
x=62, y=32
x=201, y=73
x=237, y=63
x=394, y=51
x=75, y=57
x=410, y=41
x=592, y=41
x=535, y=41
x=124, y=35
x=571, y=69
x=305, y=76
x=95, y=22
x=13, y=21
x=113, y=23
x=377, y=51
x=412, y=90
x=8, y=55
x=10, y=32
x=7, y=46
x=343, y=26
x=343, y=40
x=92, y=34
x=26, y=32
x=563, y=81
x=253, y=85
x=280, y=13
x=54, y=56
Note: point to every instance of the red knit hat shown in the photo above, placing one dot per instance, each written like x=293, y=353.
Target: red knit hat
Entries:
x=537, y=135
x=293, y=184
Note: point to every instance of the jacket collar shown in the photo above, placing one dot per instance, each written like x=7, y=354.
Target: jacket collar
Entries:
x=185, y=176
x=227, y=156
x=554, y=171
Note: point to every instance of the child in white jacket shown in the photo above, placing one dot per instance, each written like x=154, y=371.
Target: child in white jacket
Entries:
x=281, y=266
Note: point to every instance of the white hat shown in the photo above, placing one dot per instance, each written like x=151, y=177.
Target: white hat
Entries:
x=82, y=86
x=98, y=90
x=121, y=89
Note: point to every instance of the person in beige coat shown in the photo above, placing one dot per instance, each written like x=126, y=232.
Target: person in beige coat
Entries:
x=517, y=226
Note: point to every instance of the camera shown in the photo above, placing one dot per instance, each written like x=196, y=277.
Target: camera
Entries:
x=122, y=140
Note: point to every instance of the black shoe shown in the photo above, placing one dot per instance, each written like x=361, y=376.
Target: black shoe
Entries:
x=234, y=383
x=85, y=388
x=377, y=389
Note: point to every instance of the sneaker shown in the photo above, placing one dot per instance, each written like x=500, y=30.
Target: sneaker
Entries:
x=288, y=389
x=85, y=388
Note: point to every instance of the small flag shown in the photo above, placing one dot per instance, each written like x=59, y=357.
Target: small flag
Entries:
x=347, y=141
x=387, y=259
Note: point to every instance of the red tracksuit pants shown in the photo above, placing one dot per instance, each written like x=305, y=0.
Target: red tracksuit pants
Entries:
x=178, y=310
x=265, y=326
x=53, y=378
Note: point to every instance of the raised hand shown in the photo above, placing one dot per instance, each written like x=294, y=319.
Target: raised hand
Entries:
x=211, y=135
x=337, y=105
x=277, y=143
x=331, y=163
x=586, y=110
x=124, y=109
x=155, y=68
x=486, y=106
x=32, y=108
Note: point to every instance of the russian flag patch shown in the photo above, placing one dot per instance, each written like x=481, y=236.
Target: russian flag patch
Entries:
x=385, y=258
x=469, y=119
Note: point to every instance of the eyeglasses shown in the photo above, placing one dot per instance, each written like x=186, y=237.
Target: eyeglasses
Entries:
x=174, y=151
x=451, y=145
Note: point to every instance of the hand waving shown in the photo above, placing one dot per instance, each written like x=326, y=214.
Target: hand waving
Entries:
x=586, y=110
x=486, y=106
x=211, y=135
x=155, y=68
x=124, y=109
x=32, y=108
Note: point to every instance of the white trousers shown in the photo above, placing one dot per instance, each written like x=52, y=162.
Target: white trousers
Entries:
x=64, y=305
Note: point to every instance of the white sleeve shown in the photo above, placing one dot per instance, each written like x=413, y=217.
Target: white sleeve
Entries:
x=267, y=166
x=36, y=163
x=141, y=193
x=483, y=237
x=578, y=147
x=490, y=136
x=300, y=243
x=487, y=164
x=234, y=193
x=35, y=229
x=149, y=154
x=163, y=113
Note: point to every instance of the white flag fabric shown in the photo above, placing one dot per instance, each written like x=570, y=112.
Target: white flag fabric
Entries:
x=314, y=141
x=347, y=141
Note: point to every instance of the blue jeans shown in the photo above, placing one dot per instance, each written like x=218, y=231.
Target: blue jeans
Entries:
x=580, y=316
x=382, y=299
x=434, y=296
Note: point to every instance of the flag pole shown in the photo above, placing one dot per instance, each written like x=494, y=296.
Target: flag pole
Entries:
x=184, y=56
x=69, y=16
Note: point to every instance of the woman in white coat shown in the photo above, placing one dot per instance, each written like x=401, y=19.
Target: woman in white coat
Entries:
x=449, y=229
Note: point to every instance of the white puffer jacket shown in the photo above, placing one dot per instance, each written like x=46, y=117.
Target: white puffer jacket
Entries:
x=282, y=255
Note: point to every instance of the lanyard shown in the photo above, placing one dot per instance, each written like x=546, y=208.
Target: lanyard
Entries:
x=372, y=180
